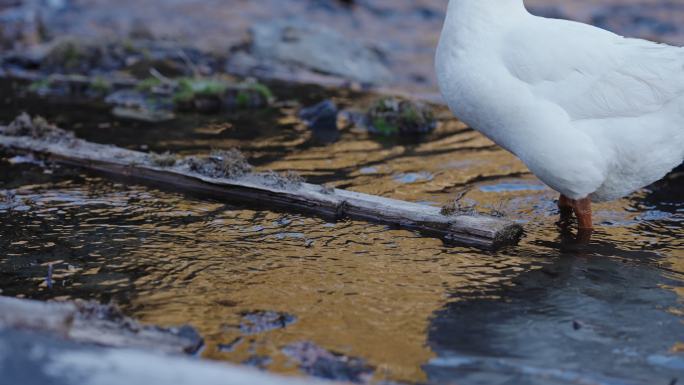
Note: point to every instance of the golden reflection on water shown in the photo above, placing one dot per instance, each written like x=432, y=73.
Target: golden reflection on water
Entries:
x=356, y=288
x=360, y=289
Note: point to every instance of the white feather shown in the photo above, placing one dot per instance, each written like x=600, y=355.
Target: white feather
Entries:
x=590, y=113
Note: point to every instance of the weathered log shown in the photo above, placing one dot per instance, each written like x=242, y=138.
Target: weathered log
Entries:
x=88, y=322
x=470, y=230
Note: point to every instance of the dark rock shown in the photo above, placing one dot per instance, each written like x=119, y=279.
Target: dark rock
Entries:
x=258, y=361
x=394, y=116
x=208, y=95
x=230, y=346
x=320, y=117
x=319, y=362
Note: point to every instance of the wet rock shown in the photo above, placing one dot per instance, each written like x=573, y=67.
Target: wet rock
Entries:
x=319, y=48
x=318, y=362
x=212, y=95
x=394, y=116
x=143, y=115
x=260, y=362
x=94, y=323
x=230, y=346
x=320, y=117
x=263, y=321
x=69, y=55
x=137, y=105
x=322, y=120
x=74, y=87
x=9, y=200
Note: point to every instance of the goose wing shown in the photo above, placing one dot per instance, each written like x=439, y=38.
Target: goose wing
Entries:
x=594, y=74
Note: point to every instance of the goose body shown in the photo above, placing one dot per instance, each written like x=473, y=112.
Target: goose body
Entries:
x=592, y=114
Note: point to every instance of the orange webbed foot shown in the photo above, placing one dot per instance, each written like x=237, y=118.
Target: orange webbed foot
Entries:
x=582, y=210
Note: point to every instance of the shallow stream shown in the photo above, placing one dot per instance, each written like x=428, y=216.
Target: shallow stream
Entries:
x=411, y=309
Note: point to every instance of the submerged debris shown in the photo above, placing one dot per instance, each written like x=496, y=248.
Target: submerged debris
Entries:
x=263, y=321
x=91, y=312
x=230, y=164
x=37, y=128
x=9, y=200
x=285, y=180
x=394, y=116
x=166, y=159
x=318, y=362
x=457, y=207
x=327, y=189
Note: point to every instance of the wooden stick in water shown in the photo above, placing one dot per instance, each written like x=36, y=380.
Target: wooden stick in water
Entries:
x=259, y=190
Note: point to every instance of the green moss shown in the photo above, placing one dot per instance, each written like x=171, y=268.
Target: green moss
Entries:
x=242, y=99
x=129, y=46
x=391, y=116
x=262, y=89
x=409, y=114
x=148, y=84
x=38, y=85
x=69, y=54
x=384, y=127
x=101, y=85
x=189, y=88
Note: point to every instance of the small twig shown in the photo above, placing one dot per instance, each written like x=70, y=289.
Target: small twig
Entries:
x=160, y=77
x=48, y=278
x=188, y=62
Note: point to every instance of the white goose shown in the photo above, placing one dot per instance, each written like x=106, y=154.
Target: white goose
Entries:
x=594, y=115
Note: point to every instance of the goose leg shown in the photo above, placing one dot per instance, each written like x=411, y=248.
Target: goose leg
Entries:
x=582, y=209
x=565, y=207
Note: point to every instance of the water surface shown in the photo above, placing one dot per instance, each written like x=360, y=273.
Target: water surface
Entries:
x=547, y=311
